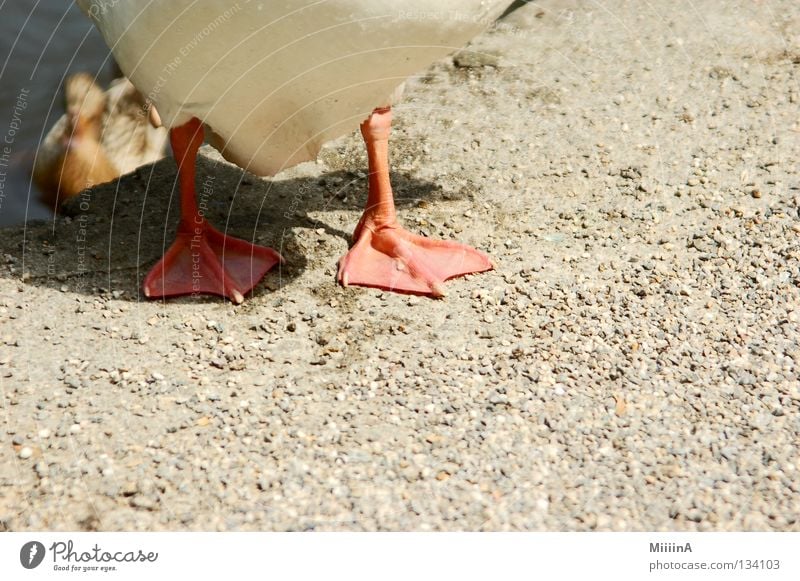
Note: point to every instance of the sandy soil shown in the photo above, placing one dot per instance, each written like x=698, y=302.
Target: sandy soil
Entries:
x=631, y=364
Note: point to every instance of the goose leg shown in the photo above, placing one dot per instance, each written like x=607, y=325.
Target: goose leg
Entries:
x=387, y=256
x=203, y=260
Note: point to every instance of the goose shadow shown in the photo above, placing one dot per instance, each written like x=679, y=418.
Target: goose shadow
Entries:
x=111, y=235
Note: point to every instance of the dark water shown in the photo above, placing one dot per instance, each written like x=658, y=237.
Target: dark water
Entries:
x=41, y=41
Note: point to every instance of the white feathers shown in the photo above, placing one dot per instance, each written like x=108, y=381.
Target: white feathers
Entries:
x=276, y=79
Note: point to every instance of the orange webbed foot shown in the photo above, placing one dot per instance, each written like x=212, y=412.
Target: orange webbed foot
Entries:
x=209, y=262
x=394, y=259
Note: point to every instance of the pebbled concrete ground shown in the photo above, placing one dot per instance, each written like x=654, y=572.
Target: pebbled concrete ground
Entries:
x=631, y=364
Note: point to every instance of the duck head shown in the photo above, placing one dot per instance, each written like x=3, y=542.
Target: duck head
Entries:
x=85, y=104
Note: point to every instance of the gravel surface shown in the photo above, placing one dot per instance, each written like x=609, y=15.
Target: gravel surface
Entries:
x=631, y=364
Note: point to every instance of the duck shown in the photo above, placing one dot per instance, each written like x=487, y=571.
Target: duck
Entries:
x=101, y=136
x=268, y=83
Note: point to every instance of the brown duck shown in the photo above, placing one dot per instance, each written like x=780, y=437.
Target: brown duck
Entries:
x=102, y=136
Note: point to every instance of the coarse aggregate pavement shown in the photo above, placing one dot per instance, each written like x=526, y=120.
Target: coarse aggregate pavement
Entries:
x=630, y=364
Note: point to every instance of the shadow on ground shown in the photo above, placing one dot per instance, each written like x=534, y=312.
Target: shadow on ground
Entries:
x=111, y=235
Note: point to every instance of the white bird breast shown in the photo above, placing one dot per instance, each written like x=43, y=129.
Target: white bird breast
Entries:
x=275, y=79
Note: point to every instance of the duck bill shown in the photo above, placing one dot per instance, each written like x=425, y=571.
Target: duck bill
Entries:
x=155, y=118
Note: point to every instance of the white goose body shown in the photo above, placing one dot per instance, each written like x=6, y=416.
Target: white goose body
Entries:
x=276, y=79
